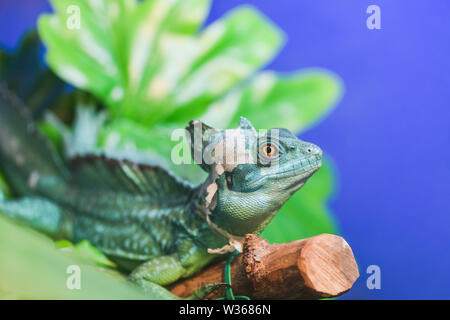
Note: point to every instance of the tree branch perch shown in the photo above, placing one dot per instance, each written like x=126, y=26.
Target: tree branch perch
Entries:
x=319, y=267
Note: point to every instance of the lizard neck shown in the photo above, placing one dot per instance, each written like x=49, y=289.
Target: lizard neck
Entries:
x=234, y=214
x=245, y=213
x=239, y=213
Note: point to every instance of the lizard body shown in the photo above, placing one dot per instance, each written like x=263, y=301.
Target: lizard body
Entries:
x=150, y=223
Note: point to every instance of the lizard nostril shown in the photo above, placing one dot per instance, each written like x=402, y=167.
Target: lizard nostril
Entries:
x=309, y=150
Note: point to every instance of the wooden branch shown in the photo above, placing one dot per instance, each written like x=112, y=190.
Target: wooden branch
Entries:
x=319, y=267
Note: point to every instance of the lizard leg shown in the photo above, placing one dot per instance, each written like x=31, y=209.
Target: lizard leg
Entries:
x=40, y=214
x=167, y=269
x=161, y=270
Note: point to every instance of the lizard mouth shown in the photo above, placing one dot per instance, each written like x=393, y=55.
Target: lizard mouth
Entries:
x=300, y=181
x=303, y=168
x=301, y=172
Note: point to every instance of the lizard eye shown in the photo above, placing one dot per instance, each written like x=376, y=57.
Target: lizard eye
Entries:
x=268, y=152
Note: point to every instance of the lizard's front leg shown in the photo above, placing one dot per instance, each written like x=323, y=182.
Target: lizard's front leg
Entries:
x=164, y=270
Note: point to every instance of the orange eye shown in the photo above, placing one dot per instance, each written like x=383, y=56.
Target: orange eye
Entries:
x=268, y=150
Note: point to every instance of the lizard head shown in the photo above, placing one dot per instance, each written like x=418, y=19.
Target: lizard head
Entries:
x=251, y=174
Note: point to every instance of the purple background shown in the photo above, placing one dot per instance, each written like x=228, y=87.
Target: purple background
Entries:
x=389, y=136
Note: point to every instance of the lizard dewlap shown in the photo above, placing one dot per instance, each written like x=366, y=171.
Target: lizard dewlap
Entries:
x=150, y=223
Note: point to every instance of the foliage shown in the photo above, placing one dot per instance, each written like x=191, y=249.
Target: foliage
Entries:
x=47, y=277
x=86, y=251
x=146, y=62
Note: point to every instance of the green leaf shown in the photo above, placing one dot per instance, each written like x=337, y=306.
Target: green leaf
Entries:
x=144, y=59
x=295, y=101
x=62, y=244
x=306, y=213
x=84, y=57
x=87, y=251
x=32, y=268
x=5, y=191
x=231, y=50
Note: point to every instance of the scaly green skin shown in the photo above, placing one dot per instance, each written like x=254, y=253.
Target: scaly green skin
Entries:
x=152, y=227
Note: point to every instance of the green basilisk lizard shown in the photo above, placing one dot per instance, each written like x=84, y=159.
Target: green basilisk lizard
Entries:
x=150, y=223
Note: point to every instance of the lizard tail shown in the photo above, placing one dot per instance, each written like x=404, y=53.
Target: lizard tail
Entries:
x=25, y=155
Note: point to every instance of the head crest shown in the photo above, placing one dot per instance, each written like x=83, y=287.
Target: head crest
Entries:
x=245, y=124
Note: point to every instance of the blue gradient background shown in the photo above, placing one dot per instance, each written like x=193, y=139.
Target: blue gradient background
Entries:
x=389, y=137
